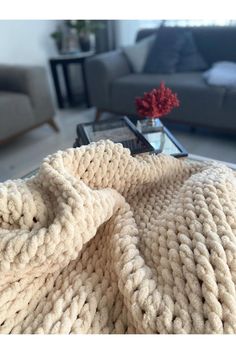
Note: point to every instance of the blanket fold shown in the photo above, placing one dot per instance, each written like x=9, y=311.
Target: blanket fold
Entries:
x=103, y=242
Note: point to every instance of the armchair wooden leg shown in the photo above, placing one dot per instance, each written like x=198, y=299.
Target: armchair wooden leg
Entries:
x=98, y=114
x=54, y=125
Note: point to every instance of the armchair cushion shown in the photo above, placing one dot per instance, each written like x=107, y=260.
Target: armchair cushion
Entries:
x=31, y=81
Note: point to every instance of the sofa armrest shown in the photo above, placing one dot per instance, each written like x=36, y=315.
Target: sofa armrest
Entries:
x=101, y=70
x=31, y=81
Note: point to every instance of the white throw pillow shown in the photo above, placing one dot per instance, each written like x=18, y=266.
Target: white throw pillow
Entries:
x=136, y=54
x=221, y=74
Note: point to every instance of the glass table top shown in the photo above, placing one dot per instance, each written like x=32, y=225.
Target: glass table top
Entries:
x=159, y=140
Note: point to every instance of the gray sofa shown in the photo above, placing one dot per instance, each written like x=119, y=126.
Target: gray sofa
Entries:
x=113, y=86
x=25, y=100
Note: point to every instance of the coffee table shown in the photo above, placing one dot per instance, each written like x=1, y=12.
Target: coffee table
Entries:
x=130, y=134
x=170, y=146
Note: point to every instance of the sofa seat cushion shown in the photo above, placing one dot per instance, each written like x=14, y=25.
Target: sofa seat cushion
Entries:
x=16, y=114
x=198, y=101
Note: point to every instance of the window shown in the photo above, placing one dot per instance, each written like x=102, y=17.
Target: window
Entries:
x=185, y=23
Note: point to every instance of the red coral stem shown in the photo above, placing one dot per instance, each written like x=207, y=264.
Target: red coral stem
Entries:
x=157, y=103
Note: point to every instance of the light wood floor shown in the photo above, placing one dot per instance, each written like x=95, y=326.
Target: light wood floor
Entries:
x=26, y=153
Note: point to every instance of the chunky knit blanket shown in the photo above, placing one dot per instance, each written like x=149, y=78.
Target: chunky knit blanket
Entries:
x=103, y=242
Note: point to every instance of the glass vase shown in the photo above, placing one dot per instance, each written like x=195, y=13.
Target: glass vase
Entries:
x=153, y=130
x=150, y=125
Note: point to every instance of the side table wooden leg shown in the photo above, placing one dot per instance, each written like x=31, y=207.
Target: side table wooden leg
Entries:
x=56, y=82
x=67, y=83
x=86, y=93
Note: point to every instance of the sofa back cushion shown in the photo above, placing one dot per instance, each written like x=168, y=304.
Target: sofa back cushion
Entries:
x=136, y=54
x=165, y=51
x=215, y=43
x=190, y=59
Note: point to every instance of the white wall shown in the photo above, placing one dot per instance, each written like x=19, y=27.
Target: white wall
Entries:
x=125, y=32
x=26, y=41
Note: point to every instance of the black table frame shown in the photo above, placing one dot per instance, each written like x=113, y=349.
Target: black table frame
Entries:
x=65, y=61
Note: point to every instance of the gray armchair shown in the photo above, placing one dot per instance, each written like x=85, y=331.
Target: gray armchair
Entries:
x=25, y=100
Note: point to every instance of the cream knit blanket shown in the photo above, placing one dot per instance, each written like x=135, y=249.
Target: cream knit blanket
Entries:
x=102, y=242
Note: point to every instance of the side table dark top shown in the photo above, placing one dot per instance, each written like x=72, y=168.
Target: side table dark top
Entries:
x=71, y=57
x=64, y=60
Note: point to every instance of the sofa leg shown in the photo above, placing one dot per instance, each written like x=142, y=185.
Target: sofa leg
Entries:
x=54, y=125
x=98, y=114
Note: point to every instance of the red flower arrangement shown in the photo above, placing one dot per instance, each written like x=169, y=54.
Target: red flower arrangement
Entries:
x=157, y=103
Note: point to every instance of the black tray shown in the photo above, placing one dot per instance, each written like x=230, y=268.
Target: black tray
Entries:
x=118, y=130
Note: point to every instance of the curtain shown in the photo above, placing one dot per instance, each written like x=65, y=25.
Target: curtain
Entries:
x=126, y=30
x=105, y=36
x=186, y=23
